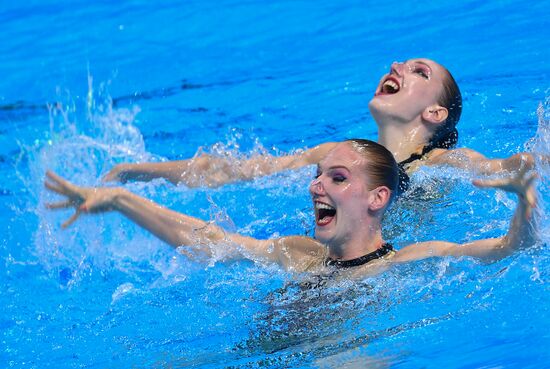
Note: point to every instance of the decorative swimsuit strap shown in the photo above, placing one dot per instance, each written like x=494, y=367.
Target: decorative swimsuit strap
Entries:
x=416, y=156
x=386, y=248
x=445, y=142
x=404, y=179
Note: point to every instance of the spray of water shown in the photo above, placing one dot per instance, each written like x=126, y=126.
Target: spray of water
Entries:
x=82, y=147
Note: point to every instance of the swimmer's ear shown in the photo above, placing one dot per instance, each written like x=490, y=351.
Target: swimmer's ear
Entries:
x=379, y=198
x=435, y=114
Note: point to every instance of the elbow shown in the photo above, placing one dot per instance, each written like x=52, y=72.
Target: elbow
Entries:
x=502, y=248
x=508, y=246
x=505, y=248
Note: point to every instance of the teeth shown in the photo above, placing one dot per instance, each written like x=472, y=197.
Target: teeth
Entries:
x=391, y=84
x=319, y=205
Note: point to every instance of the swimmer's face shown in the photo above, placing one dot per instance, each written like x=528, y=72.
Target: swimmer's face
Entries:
x=340, y=195
x=407, y=90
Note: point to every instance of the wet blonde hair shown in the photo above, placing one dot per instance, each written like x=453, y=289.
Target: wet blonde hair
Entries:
x=381, y=167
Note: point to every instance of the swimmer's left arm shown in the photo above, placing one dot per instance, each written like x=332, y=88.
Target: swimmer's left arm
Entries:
x=521, y=234
x=476, y=162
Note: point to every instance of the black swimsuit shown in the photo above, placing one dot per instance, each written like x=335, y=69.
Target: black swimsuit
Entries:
x=446, y=141
x=321, y=280
x=404, y=179
x=376, y=254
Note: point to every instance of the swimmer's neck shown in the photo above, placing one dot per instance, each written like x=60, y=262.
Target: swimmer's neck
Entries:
x=362, y=243
x=403, y=140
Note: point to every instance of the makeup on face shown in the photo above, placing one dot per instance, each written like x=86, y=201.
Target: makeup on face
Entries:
x=335, y=192
x=392, y=82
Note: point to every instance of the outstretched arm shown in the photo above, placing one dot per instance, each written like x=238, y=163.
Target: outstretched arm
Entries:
x=211, y=171
x=175, y=228
x=521, y=234
x=474, y=161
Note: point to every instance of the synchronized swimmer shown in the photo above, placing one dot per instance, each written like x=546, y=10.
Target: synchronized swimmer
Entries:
x=354, y=186
x=416, y=107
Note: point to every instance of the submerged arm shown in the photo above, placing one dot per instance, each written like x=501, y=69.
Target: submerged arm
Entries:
x=521, y=233
x=175, y=228
x=215, y=171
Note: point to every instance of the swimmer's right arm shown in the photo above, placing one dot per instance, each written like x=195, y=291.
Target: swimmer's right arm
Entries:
x=212, y=171
x=522, y=232
x=178, y=229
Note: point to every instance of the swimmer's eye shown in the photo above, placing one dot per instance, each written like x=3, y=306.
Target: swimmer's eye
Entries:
x=422, y=73
x=338, y=178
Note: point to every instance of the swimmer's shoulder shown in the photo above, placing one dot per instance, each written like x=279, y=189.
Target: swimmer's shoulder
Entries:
x=300, y=253
x=455, y=157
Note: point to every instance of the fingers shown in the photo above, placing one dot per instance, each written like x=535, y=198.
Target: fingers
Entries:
x=532, y=202
x=531, y=194
x=59, y=205
x=54, y=187
x=54, y=177
x=72, y=219
x=531, y=198
x=60, y=182
x=117, y=174
x=56, y=184
x=75, y=194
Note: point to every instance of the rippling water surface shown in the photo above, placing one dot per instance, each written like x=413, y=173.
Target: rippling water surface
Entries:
x=86, y=85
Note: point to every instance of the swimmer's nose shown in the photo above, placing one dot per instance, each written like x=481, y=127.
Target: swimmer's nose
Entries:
x=397, y=68
x=316, y=187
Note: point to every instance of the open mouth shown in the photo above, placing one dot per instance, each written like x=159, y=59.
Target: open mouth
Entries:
x=390, y=86
x=324, y=214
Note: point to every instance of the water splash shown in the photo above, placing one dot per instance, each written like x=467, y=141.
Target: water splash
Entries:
x=539, y=145
x=81, y=147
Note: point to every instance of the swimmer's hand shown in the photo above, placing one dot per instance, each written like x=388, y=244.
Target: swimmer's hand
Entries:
x=83, y=199
x=522, y=183
x=117, y=174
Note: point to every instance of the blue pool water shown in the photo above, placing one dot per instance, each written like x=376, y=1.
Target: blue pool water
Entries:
x=86, y=85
